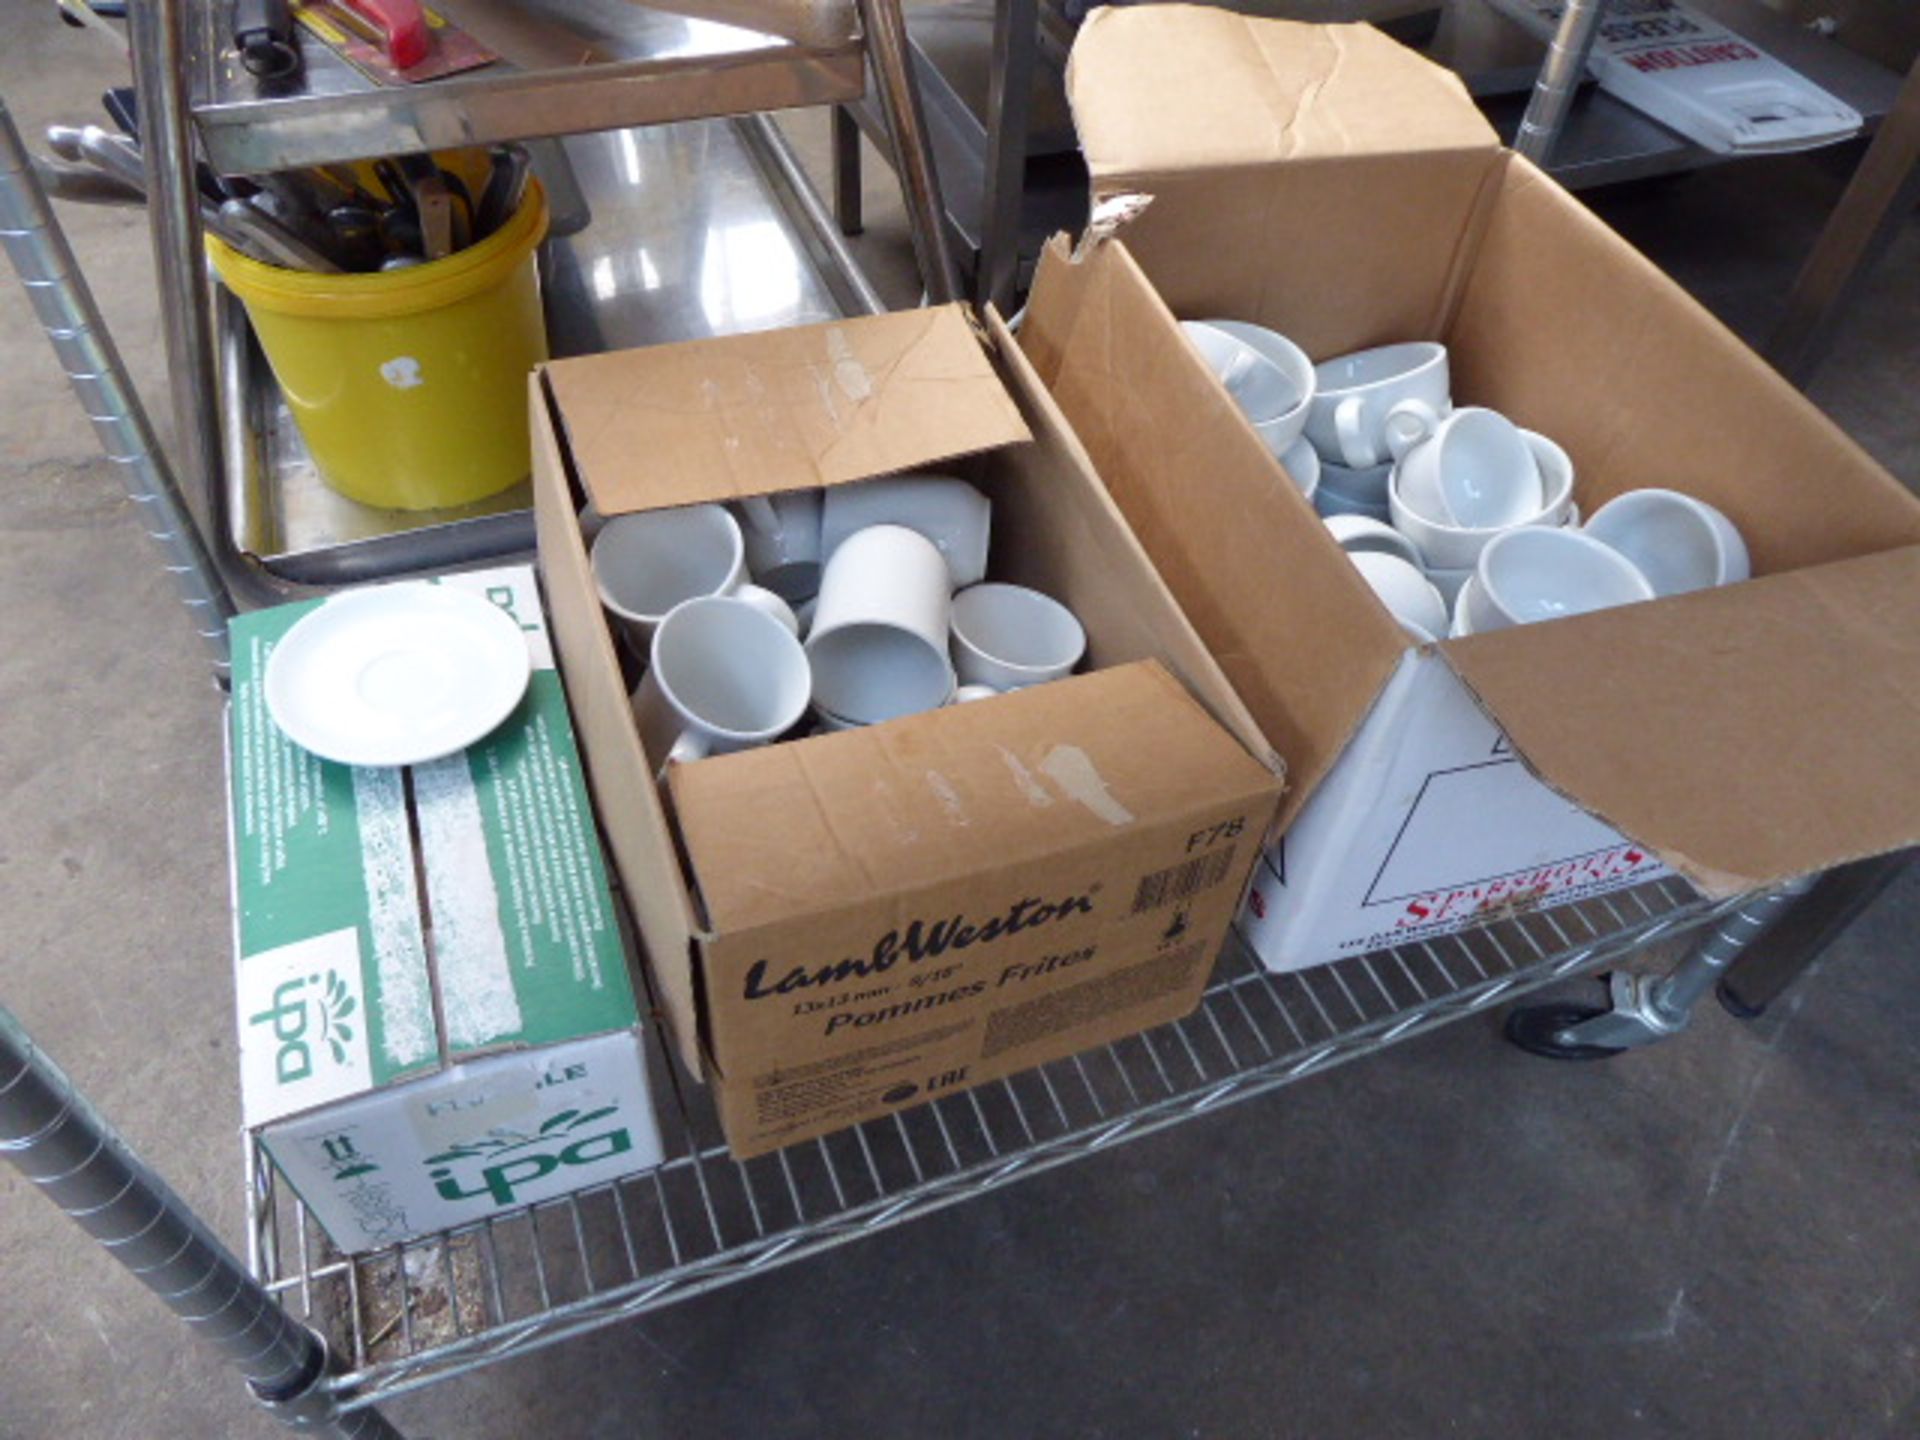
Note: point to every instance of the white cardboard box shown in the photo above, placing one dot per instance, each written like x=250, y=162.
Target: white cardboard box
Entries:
x=436, y=1017
x=1428, y=825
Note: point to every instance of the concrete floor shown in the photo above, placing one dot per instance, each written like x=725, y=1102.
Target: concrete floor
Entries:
x=1719, y=1237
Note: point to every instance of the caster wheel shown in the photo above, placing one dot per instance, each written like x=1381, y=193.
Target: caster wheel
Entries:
x=1731, y=1002
x=1534, y=1028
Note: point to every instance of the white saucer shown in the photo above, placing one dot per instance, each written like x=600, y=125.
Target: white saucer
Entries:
x=397, y=675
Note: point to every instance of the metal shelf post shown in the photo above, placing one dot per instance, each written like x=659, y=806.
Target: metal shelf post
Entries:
x=65, y=1147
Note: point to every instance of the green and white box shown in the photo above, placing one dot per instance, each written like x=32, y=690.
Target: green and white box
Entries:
x=436, y=1018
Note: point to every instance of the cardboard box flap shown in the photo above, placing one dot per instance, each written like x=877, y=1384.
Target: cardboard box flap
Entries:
x=1207, y=500
x=1784, y=715
x=1183, y=87
x=842, y=819
x=1230, y=124
x=1567, y=329
x=780, y=410
x=601, y=715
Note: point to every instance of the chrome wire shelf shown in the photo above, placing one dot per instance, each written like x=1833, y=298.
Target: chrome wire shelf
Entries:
x=409, y=1316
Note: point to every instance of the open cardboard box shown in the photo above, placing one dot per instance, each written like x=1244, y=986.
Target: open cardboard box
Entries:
x=851, y=923
x=1326, y=182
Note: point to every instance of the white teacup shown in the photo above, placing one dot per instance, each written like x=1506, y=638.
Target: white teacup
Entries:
x=782, y=534
x=644, y=564
x=1009, y=637
x=1275, y=396
x=1348, y=421
x=878, y=643
x=1355, y=533
x=1537, y=573
x=1473, y=470
x=957, y=518
x=1458, y=547
x=1679, y=543
x=1407, y=594
x=1302, y=464
x=725, y=674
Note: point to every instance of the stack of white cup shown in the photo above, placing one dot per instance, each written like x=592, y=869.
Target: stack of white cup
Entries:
x=866, y=602
x=1432, y=501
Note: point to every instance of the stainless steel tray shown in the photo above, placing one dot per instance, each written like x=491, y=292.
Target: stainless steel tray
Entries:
x=698, y=229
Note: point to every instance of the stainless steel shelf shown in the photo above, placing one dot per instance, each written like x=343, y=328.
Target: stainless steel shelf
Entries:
x=698, y=229
x=568, y=66
x=408, y=1316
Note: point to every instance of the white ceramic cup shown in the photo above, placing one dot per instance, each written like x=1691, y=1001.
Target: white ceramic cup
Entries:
x=1408, y=594
x=1009, y=637
x=1354, y=393
x=1679, y=543
x=1474, y=470
x=1458, y=547
x=1449, y=582
x=1538, y=573
x=725, y=674
x=644, y=564
x=782, y=534
x=957, y=518
x=880, y=630
x=1355, y=533
x=1277, y=410
x=1302, y=464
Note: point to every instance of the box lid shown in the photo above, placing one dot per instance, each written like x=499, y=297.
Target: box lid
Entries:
x=853, y=817
x=1818, y=763
x=780, y=410
x=1274, y=150
x=390, y=921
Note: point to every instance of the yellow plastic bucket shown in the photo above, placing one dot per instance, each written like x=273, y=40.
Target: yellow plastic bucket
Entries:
x=409, y=386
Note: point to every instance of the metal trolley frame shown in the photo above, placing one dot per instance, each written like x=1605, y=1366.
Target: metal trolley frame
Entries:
x=323, y=1338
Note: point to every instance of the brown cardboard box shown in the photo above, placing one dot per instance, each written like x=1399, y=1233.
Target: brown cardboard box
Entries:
x=1325, y=181
x=856, y=922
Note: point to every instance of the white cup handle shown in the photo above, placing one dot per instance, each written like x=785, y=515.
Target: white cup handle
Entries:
x=758, y=511
x=1355, y=449
x=1409, y=423
x=762, y=598
x=688, y=746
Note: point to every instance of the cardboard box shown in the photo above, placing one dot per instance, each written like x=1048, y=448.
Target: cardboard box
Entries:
x=851, y=923
x=1331, y=184
x=436, y=1019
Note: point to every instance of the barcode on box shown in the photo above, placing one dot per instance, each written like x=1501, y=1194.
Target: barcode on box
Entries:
x=1178, y=882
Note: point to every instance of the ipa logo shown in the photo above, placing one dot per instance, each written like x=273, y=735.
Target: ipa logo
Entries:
x=309, y=1014
x=515, y=1160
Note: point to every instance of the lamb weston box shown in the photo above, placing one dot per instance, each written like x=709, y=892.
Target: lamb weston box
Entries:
x=843, y=925
x=1331, y=184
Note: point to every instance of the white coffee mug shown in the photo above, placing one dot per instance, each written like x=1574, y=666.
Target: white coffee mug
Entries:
x=1537, y=573
x=1009, y=637
x=957, y=518
x=1269, y=377
x=1474, y=470
x=782, y=534
x=1679, y=543
x=878, y=643
x=644, y=564
x=1354, y=393
x=1408, y=595
x=725, y=674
